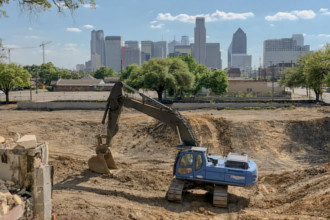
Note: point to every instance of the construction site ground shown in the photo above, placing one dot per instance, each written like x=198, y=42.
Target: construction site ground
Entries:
x=290, y=146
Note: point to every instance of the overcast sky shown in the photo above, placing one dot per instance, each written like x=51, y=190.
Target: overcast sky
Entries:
x=158, y=19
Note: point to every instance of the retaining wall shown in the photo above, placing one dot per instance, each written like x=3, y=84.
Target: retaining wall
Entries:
x=42, y=106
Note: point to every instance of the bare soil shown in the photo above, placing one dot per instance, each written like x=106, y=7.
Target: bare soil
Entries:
x=291, y=148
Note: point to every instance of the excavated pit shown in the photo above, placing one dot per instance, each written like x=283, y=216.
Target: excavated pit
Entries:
x=291, y=148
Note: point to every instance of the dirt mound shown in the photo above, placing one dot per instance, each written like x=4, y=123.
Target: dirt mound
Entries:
x=298, y=192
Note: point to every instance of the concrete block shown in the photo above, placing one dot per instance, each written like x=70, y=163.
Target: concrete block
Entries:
x=4, y=208
x=43, y=210
x=27, y=141
x=44, y=154
x=2, y=139
x=17, y=199
x=43, y=175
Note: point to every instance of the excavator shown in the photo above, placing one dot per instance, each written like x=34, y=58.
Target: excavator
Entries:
x=194, y=168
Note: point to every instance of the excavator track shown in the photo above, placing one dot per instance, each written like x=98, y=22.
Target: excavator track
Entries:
x=174, y=193
x=220, y=196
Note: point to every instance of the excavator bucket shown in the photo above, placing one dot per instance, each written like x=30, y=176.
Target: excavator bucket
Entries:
x=101, y=163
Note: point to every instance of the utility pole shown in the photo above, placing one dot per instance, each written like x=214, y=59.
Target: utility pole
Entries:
x=43, y=49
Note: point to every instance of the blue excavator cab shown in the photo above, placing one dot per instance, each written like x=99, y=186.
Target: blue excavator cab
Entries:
x=196, y=165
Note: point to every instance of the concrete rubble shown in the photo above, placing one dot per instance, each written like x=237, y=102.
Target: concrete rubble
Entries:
x=25, y=179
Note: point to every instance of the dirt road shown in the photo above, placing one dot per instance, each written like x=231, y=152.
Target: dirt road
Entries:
x=291, y=148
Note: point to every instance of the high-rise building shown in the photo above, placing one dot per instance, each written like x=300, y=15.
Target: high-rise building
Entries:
x=132, y=43
x=185, y=41
x=146, y=50
x=95, y=61
x=239, y=42
x=284, y=50
x=299, y=38
x=159, y=49
x=131, y=55
x=171, y=46
x=237, y=53
x=213, y=55
x=97, y=45
x=242, y=61
x=182, y=49
x=80, y=67
x=199, y=49
x=229, y=55
x=113, y=52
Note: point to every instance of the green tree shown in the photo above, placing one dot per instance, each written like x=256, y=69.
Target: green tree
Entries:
x=184, y=79
x=11, y=76
x=156, y=76
x=43, y=5
x=312, y=71
x=292, y=77
x=190, y=61
x=129, y=69
x=316, y=69
x=217, y=81
x=103, y=71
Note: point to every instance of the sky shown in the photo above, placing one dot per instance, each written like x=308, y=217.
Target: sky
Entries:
x=160, y=20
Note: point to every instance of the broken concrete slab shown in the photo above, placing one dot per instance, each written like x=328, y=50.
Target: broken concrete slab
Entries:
x=27, y=141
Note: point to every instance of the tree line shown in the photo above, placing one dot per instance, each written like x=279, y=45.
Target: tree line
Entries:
x=179, y=76
x=312, y=71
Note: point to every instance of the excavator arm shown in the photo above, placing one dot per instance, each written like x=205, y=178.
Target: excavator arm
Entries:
x=103, y=161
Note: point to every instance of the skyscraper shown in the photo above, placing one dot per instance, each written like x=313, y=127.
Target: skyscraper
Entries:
x=237, y=53
x=185, y=41
x=146, y=50
x=113, y=52
x=159, y=49
x=239, y=42
x=132, y=43
x=171, y=46
x=284, y=50
x=97, y=47
x=131, y=55
x=199, y=49
x=213, y=55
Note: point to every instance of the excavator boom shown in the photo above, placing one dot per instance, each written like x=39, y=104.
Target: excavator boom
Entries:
x=103, y=161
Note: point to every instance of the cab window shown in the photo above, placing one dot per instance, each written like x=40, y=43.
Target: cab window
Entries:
x=198, y=162
x=186, y=160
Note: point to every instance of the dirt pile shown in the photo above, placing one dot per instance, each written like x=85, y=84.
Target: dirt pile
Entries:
x=298, y=192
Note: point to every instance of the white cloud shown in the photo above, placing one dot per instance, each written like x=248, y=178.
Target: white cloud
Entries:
x=89, y=6
x=156, y=26
x=272, y=25
x=73, y=29
x=281, y=16
x=153, y=22
x=216, y=16
x=305, y=14
x=30, y=28
x=294, y=15
x=324, y=11
x=32, y=37
x=323, y=35
x=304, y=34
x=88, y=26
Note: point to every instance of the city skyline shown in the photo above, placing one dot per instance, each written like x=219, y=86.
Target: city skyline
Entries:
x=70, y=36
